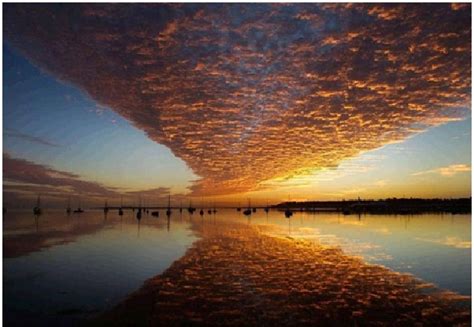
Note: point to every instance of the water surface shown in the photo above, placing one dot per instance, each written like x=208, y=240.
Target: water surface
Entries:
x=59, y=268
x=434, y=247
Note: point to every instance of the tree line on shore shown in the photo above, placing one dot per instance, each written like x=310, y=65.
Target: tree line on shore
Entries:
x=384, y=206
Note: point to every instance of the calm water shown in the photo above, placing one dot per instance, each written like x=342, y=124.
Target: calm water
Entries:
x=60, y=267
x=433, y=247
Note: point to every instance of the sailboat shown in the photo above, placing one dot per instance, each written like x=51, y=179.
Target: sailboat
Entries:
x=68, y=209
x=191, y=209
x=139, y=213
x=79, y=209
x=266, y=208
x=248, y=211
x=288, y=212
x=37, y=209
x=168, y=211
x=155, y=213
x=106, y=208
x=120, y=212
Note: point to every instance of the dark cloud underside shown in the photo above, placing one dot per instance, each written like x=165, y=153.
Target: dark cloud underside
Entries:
x=24, y=179
x=27, y=137
x=246, y=93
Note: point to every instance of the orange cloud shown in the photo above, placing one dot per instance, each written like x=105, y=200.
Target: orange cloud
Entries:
x=247, y=93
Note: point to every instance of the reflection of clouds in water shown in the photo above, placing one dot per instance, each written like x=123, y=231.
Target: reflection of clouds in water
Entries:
x=369, y=251
x=451, y=241
x=383, y=230
x=351, y=222
x=238, y=271
x=379, y=256
x=22, y=231
x=361, y=223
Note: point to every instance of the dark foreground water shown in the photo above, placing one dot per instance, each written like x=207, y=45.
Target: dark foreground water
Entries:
x=59, y=269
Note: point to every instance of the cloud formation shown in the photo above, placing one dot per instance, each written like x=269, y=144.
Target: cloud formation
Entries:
x=8, y=132
x=25, y=179
x=447, y=171
x=246, y=93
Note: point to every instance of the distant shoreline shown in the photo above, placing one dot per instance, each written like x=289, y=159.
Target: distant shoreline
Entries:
x=383, y=206
x=359, y=206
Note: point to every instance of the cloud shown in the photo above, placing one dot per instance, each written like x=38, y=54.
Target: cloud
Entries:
x=155, y=196
x=380, y=183
x=25, y=178
x=8, y=132
x=246, y=93
x=154, y=192
x=447, y=171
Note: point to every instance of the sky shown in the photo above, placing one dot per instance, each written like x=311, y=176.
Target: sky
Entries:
x=228, y=102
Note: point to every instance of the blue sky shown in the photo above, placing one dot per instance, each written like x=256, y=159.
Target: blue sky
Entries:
x=88, y=139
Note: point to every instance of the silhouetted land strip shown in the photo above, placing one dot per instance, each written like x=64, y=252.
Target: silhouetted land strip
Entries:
x=243, y=276
x=385, y=206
